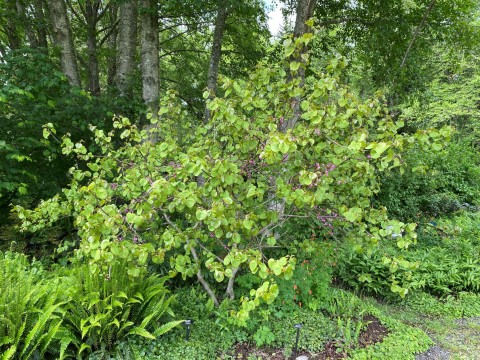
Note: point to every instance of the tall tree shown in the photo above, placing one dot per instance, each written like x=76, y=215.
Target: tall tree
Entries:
x=150, y=54
x=91, y=13
x=126, y=46
x=216, y=53
x=41, y=23
x=63, y=37
x=304, y=12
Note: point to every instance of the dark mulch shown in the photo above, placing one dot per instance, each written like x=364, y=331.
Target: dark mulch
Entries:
x=372, y=334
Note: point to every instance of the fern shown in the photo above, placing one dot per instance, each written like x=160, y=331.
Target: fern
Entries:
x=31, y=309
x=107, y=308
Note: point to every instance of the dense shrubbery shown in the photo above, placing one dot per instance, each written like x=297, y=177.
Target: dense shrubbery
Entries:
x=34, y=93
x=434, y=183
x=445, y=261
x=74, y=312
x=257, y=210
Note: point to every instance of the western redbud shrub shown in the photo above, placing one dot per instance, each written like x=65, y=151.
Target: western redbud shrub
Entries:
x=214, y=198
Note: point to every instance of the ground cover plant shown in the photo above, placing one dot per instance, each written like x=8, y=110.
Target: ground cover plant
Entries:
x=275, y=336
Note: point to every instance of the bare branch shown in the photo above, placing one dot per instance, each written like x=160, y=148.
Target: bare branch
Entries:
x=417, y=32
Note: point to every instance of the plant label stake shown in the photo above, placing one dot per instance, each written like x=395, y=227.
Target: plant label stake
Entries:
x=188, y=322
x=298, y=327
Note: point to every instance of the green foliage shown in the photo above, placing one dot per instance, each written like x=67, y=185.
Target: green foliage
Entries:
x=31, y=311
x=380, y=272
x=464, y=304
x=264, y=336
x=341, y=324
x=73, y=312
x=214, y=203
x=110, y=306
x=389, y=42
x=309, y=284
x=402, y=344
x=449, y=98
x=434, y=183
x=445, y=262
x=34, y=93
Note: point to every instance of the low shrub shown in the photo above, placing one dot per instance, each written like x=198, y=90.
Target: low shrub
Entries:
x=445, y=261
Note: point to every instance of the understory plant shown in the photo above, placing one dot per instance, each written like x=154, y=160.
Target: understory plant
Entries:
x=31, y=309
x=111, y=305
x=212, y=202
x=444, y=263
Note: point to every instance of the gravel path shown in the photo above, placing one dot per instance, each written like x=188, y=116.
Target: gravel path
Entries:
x=434, y=353
x=462, y=342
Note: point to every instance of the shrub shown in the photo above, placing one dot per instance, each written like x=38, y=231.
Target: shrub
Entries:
x=434, y=184
x=444, y=262
x=213, y=200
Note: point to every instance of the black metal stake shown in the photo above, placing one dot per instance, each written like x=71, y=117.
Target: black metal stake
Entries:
x=187, y=325
x=298, y=327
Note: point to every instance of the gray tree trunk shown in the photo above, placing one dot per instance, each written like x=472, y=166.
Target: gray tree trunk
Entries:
x=127, y=36
x=150, y=55
x=91, y=13
x=27, y=23
x=11, y=30
x=63, y=38
x=112, y=44
x=305, y=10
x=216, y=53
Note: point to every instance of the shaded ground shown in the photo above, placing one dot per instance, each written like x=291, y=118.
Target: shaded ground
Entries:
x=373, y=333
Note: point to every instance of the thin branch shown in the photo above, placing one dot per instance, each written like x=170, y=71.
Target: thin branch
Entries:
x=103, y=12
x=345, y=20
x=417, y=32
x=172, y=224
x=182, y=50
x=231, y=282
x=174, y=36
x=201, y=279
x=72, y=9
x=108, y=34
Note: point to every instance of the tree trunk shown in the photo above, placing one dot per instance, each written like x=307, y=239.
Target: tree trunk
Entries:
x=305, y=10
x=11, y=30
x=216, y=54
x=126, y=47
x=112, y=45
x=150, y=55
x=63, y=37
x=41, y=24
x=27, y=23
x=91, y=12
